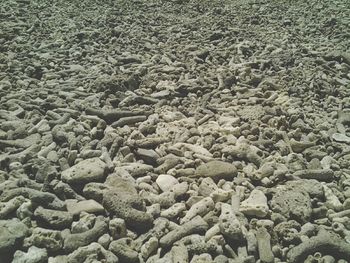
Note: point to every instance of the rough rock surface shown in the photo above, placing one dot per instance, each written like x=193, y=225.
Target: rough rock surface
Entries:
x=122, y=200
x=216, y=170
x=34, y=255
x=159, y=131
x=86, y=171
x=12, y=234
x=292, y=203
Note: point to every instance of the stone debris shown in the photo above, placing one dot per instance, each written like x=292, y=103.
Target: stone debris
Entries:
x=174, y=131
x=86, y=171
x=255, y=204
x=216, y=170
x=34, y=255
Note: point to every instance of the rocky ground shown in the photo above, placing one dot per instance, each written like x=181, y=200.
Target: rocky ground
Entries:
x=174, y=131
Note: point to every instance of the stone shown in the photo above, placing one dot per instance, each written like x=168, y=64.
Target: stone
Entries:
x=34, y=255
x=117, y=228
x=313, y=187
x=92, y=251
x=149, y=156
x=264, y=245
x=136, y=169
x=255, y=204
x=53, y=218
x=166, y=182
x=207, y=187
x=85, y=222
x=12, y=233
x=6, y=208
x=74, y=241
x=122, y=200
x=200, y=208
x=86, y=171
x=45, y=238
x=124, y=249
x=229, y=224
x=173, y=211
x=216, y=170
x=338, y=137
x=90, y=206
x=293, y=203
x=195, y=226
x=149, y=248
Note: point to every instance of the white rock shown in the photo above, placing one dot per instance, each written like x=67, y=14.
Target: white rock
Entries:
x=255, y=204
x=166, y=182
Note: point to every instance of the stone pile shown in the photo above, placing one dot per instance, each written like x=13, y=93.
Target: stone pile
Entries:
x=174, y=131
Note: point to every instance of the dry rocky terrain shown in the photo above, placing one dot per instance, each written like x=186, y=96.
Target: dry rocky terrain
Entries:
x=174, y=131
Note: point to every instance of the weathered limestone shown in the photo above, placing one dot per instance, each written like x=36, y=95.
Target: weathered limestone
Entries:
x=292, y=203
x=89, y=206
x=196, y=225
x=53, y=218
x=34, y=255
x=255, y=204
x=216, y=170
x=74, y=241
x=229, y=225
x=45, y=238
x=122, y=200
x=86, y=171
x=12, y=234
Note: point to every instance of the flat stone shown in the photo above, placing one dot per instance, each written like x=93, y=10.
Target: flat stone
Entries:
x=216, y=170
x=166, y=182
x=86, y=171
x=12, y=232
x=89, y=206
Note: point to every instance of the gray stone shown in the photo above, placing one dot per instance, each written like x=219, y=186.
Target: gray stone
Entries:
x=340, y=137
x=122, y=200
x=74, y=241
x=86, y=222
x=45, y=238
x=124, y=249
x=34, y=255
x=93, y=250
x=86, y=171
x=293, y=203
x=53, y=218
x=89, y=206
x=216, y=170
x=12, y=232
x=255, y=204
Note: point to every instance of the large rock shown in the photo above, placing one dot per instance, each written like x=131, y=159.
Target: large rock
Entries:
x=12, y=232
x=216, y=170
x=86, y=171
